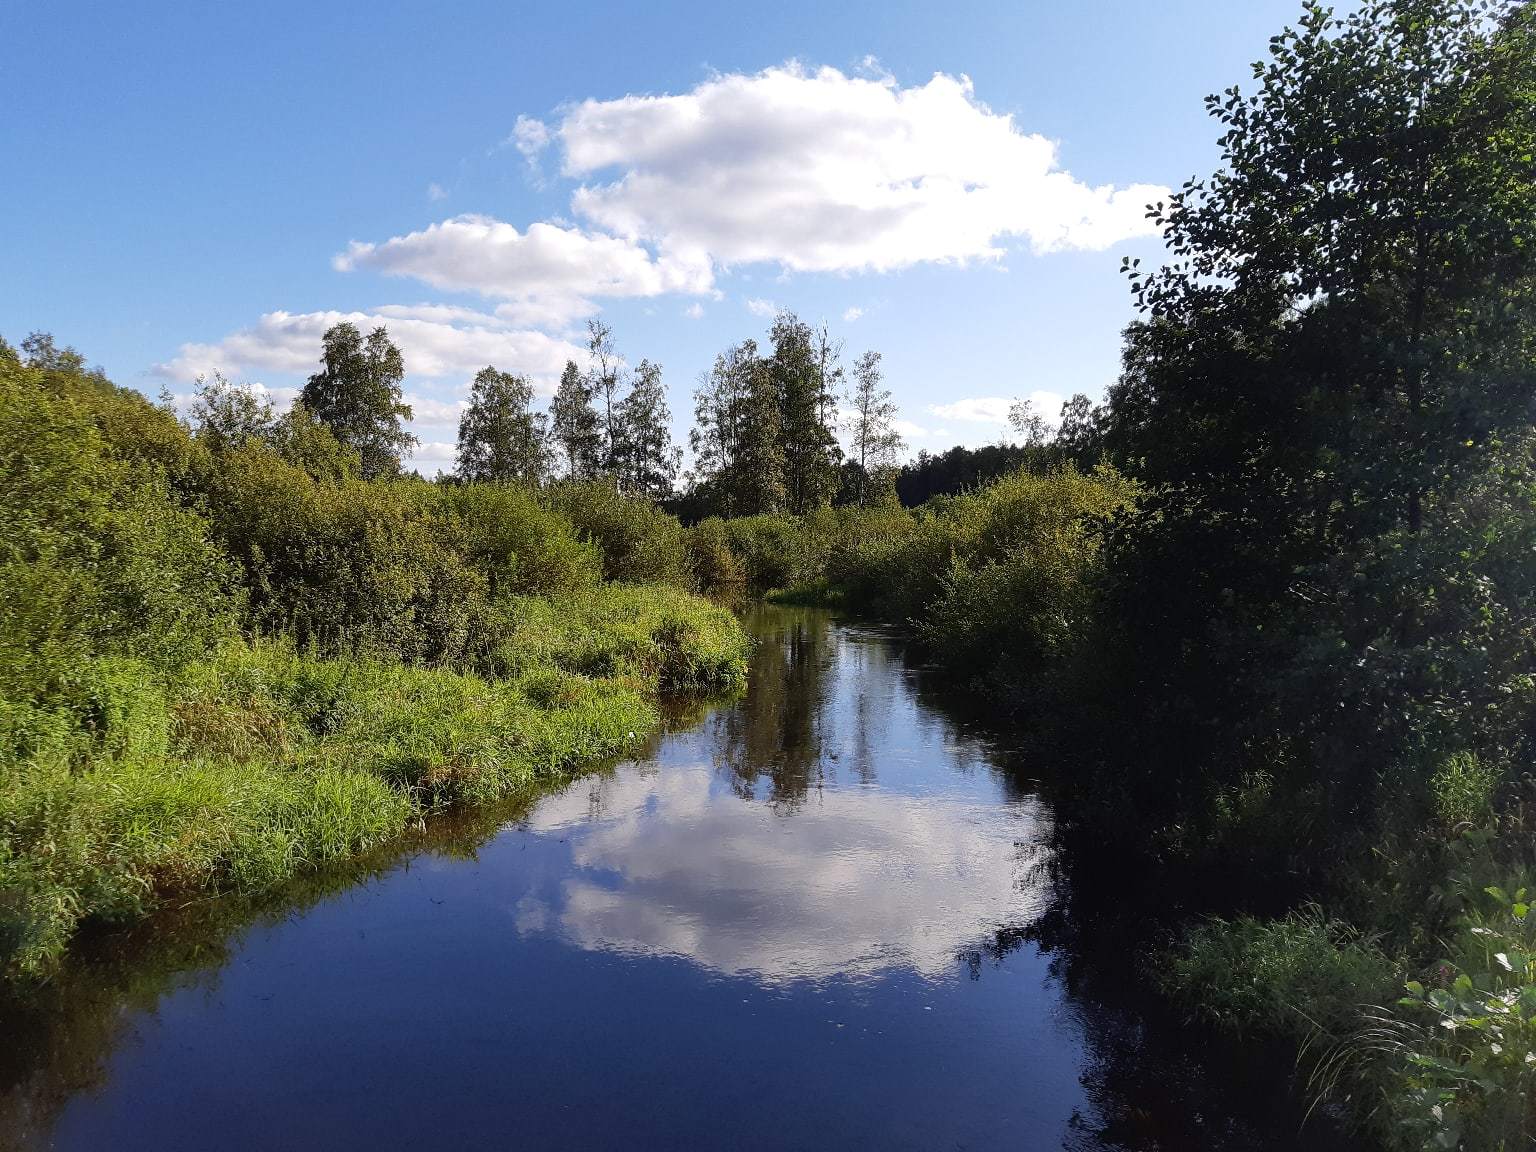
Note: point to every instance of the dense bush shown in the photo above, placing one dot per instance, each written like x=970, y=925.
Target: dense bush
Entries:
x=640, y=543
x=97, y=557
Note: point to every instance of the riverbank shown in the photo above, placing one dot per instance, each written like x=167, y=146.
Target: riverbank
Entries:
x=227, y=658
x=262, y=762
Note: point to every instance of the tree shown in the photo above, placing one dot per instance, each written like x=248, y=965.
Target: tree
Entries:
x=501, y=440
x=1352, y=265
x=1338, y=347
x=574, y=425
x=875, y=441
x=230, y=415
x=716, y=434
x=605, y=380
x=805, y=374
x=1079, y=434
x=647, y=457
x=357, y=395
x=1032, y=430
x=42, y=353
x=737, y=440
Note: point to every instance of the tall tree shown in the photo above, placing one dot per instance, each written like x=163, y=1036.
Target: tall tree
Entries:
x=648, y=459
x=574, y=424
x=874, y=440
x=756, y=478
x=715, y=436
x=605, y=382
x=1335, y=325
x=357, y=395
x=1029, y=425
x=501, y=440
x=805, y=374
x=1340, y=342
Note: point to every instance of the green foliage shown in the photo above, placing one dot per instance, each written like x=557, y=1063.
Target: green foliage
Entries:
x=648, y=460
x=515, y=539
x=357, y=395
x=647, y=632
x=1019, y=594
x=1463, y=1038
x=1298, y=976
x=501, y=440
x=639, y=542
x=1463, y=789
x=346, y=564
x=806, y=375
x=875, y=441
x=573, y=425
x=97, y=557
x=406, y=645
x=712, y=564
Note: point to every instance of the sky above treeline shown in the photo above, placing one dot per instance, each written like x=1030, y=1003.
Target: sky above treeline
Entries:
x=193, y=187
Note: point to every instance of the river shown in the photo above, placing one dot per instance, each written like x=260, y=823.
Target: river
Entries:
x=802, y=919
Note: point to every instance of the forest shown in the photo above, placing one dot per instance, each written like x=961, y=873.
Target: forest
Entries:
x=1275, y=594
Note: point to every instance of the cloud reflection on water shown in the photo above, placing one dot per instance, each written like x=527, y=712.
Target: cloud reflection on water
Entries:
x=859, y=882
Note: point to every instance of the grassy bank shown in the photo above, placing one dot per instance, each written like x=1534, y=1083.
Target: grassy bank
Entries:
x=261, y=762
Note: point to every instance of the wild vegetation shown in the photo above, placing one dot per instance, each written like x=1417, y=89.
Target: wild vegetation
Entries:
x=227, y=654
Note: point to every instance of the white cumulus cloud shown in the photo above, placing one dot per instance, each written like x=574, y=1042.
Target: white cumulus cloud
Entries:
x=548, y=273
x=821, y=171
x=975, y=409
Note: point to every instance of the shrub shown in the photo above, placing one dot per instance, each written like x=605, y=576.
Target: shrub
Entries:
x=97, y=556
x=1296, y=976
x=1463, y=790
x=640, y=543
x=712, y=566
x=518, y=543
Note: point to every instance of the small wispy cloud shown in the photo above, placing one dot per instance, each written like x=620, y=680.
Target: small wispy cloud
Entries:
x=975, y=409
x=760, y=307
x=529, y=136
x=436, y=191
x=851, y=314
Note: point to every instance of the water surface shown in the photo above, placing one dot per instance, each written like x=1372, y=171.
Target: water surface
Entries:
x=802, y=920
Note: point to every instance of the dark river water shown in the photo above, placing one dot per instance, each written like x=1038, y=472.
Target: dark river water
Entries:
x=803, y=919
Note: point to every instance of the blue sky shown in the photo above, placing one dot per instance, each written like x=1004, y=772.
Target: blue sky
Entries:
x=193, y=186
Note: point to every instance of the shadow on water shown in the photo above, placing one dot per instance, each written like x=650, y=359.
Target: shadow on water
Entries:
x=834, y=912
